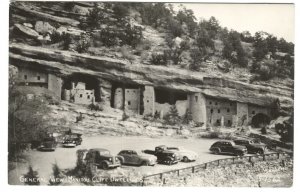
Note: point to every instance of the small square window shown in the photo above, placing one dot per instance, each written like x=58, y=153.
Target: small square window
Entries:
x=229, y=122
x=129, y=103
x=219, y=111
x=25, y=76
x=80, y=95
x=196, y=98
x=211, y=111
x=147, y=101
x=210, y=102
x=38, y=77
x=228, y=110
x=253, y=112
x=88, y=97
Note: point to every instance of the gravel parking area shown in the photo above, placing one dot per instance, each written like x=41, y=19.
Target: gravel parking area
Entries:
x=66, y=157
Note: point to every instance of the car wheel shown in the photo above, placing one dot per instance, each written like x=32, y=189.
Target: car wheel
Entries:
x=217, y=151
x=104, y=166
x=239, y=154
x=185, y=159
x=260, y=152
x=145, y=163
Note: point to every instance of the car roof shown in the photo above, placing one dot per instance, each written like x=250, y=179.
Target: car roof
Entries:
x=161, y=146
x=128, y=150
x=98, y=149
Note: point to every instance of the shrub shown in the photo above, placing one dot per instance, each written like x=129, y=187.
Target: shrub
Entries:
x=66, y=37
x=120, y=10
x=56, y=37
x=159, y=59
x=57, y=175
x=79, y=118
x=109, y=37
x=263, y=130
x=266, y=69
x=125, y=116
x=187, y=118
x=83, y=43
x=31, y=177
x=95, y=107
x=94, y=17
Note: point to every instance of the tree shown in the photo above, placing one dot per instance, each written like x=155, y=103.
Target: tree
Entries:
x=94, y=17
x=172, y=117
x=260, y=45
x=212, y=26
x=233, y=50
x=187, y=16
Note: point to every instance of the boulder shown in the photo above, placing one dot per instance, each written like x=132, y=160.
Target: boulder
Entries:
x=44, y=27
x=26, y=30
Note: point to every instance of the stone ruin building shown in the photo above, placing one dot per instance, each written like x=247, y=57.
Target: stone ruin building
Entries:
x=143, y=100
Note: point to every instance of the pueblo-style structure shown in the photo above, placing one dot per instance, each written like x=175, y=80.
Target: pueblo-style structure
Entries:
x=145, y=89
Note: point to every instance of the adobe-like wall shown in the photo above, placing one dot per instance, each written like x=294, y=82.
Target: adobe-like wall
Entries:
x=105, y=91
x=242, y=110
x=118, y=99
x=31, y=76
x=132, y=100
x=55, y=85
x=197, y=105
x=216, y=109
x=149, y=100
x=84, y=96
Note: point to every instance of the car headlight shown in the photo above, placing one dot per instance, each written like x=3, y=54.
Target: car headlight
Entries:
x=173, y=155
x=110, y=159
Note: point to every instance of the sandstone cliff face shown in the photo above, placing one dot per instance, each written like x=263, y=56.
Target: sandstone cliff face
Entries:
x=64, y=63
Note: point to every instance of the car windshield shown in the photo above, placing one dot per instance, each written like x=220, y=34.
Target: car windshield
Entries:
x=48, y=139
x=104, y=153
x=71, y=136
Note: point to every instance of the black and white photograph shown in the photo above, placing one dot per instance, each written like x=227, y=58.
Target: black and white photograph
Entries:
x=150, y=94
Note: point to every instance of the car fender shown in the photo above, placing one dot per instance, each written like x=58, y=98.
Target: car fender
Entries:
x=121, y=158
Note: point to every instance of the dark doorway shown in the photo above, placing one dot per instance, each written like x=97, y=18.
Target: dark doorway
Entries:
x=260, y=120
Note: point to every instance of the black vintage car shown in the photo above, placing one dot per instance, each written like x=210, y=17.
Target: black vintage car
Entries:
x=252, y=146
x=228, y=147
x=72, y=140
x=164, y=157
x=48, y=144
x=102, y=158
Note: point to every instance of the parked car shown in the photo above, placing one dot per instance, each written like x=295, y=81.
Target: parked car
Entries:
x=48, y=144
x=252, y=146
x=184, y=155
x=228, y=147
x=72, y=140
x=164, y=156
x=102, y=158
x=131, y=157
x=167, y=157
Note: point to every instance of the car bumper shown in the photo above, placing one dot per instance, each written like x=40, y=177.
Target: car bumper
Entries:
x=69, y=145
x=114, y=165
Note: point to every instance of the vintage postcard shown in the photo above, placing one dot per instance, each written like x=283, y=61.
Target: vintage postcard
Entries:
x=151, y=94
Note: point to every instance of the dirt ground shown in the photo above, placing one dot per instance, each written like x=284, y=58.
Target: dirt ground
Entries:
x=66, y=157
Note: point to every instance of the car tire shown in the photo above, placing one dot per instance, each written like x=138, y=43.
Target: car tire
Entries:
x=216, y=151
x=185, y=159
x=104, y=166
x=145, y=163
x=260, y=151
x=239, y=154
